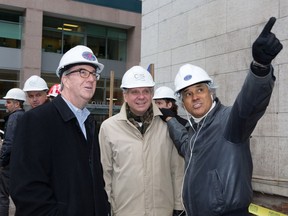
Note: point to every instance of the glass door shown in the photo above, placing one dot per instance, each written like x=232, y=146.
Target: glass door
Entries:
x=71, y=39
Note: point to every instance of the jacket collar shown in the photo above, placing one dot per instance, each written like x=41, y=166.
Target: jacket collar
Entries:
x=67, y=114
x=6, y=117
x=63, y=109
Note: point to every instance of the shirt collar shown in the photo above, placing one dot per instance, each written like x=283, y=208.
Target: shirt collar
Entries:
x=81, y=114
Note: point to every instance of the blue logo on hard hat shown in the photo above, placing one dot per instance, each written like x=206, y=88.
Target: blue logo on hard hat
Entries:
x=188, y=77
x=89, y=56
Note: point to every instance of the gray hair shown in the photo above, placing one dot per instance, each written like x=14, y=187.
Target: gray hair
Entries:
x=64, y=73
x=211, y=87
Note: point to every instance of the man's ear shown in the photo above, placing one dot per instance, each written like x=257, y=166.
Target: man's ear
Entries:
x=169, y=104
x=124, y=97
x=64, y=82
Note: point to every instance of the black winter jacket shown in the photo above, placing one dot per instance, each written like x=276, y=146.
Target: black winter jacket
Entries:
x=217, y=154
x=9, y=132
x=54, y=169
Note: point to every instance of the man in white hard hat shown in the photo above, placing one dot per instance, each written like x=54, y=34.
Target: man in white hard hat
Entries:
x=216, y=148
x=142, y=169
x=165, y=99
x=15, y=98
x=56, y=167
x=36, y=89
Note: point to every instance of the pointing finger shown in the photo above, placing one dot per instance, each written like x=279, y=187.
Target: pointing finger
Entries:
x=268, y=26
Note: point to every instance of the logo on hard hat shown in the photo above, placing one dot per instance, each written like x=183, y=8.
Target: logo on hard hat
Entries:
x=140, y=77
x=89, y=56
x=188, y=77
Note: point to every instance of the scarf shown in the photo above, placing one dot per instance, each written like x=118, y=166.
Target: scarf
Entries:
x=140, y=122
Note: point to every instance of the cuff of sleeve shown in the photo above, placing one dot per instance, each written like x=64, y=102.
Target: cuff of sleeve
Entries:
x=259, y=69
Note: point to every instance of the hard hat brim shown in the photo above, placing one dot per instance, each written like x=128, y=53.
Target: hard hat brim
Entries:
x=98, y=66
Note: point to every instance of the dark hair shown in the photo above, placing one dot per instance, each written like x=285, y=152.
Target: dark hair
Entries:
x=174, y=107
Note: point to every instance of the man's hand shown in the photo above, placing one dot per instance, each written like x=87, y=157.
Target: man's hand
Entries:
x=167, y=114
x=267, y=46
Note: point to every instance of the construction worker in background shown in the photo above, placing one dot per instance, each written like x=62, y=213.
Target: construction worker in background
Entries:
x=54, y=91
x=142, y=169
x=216, y=149
x=61, y=174
x=165, y=99
x=15, y=98
x=36, y=89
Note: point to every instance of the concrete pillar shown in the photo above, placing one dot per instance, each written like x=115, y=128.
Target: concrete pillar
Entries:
x=31, y=44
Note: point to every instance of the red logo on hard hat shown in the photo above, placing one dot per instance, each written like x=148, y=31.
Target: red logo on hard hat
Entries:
x=89, y=56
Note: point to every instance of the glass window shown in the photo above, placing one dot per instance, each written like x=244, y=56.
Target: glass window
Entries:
x=116, y=44
x=106, y=42
x=98, y=46
x=10, y=29
x=98, y=31
x=61, y=35
x=116, y=50
x=12, y=16
x=8, y=79
x=52, y=42
x=71, y=40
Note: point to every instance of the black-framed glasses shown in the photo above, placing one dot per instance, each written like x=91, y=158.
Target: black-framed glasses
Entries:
x=85, y=73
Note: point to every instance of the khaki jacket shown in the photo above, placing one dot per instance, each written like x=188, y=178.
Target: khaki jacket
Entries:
x=143, y=174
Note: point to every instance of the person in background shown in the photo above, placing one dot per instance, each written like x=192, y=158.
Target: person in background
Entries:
x=54, y=91
x=216, y=149
x=36, y=90
x=165, y=99
x=15, y=98
x=142, y=169
x=61, y=174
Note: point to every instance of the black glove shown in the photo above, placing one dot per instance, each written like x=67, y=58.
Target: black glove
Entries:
x=267, y=46
x=166, y=113
x=179, y=213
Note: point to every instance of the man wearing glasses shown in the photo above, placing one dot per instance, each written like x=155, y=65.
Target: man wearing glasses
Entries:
x=60, y=173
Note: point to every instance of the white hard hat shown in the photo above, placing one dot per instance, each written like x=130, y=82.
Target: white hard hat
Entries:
x=78, y=55
x=35, y=83
x=54, y=90
x=137, y=77
x=164, y=92
x=15, y=94
x=189, y=75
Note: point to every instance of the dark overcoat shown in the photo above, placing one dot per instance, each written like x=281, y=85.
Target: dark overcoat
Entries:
x=54, y=169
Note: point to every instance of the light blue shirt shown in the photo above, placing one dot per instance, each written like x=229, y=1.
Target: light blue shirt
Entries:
x=81, y=115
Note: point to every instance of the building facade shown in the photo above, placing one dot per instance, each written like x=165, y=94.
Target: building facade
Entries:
x=217, y=35
x=34, y=35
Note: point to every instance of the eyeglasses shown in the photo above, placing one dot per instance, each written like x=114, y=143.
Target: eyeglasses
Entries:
x=85, y=73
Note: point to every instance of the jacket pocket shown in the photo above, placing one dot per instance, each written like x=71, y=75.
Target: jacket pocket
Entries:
x=215, y=193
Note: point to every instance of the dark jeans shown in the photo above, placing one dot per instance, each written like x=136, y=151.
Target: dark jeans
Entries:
x=4, y=191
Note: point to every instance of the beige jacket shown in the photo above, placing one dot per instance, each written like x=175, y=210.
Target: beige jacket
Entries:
x=143, y=174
